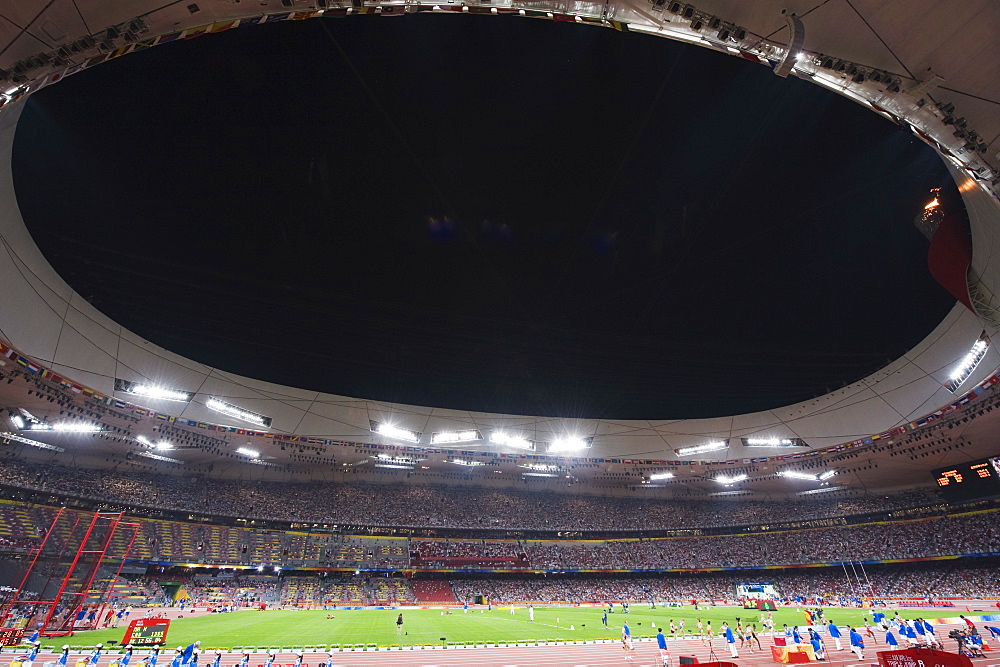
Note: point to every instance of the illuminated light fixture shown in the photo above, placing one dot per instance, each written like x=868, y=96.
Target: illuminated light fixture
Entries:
x=701, y=449
x=246, y=451
x=237, y=412
x=390, y=431
x=660, y=475
x=30, y=417
x=969, y=363
x=827, y=475
x=157, y=457
x=395, y=466
x=398, y=460
x=826, y=489
x=539, y=466
x=735, y=479
x=143, y=440
x=163, y=445
x=18, y=421
x=569, y=444
x=508, y=440
x=446, y=437
x=539, y=474
x=29, y=441
x=795, y=474
x=468, y=464
x=152, y=391
x=68, y=427
x=731, y=493
x=772, y=442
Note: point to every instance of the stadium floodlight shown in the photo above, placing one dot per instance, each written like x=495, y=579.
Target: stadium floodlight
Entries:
x=448, y=437
x=542, y=467
x=827, y=475
x=157, y=457
x=731, y=493
x=246, y=451
x=28, y=441
x=660, y=475
x=394, y=466
x=509, y=440
x=825, y=489
x=395, y=432
x=735, y=479
x=795, y=474
x=969, y=363
x=18, y=421
x=569, y=444
x=388, y=458
x=163, y=444
x=68, y=427
x=237, y=412
x=539, y=474
x=772, y=442
x=143, y=440
x=464, y=462
x=701, y=449
x=152, y=391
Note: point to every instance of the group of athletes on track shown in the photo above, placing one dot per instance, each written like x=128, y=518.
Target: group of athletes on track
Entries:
x=914, y=633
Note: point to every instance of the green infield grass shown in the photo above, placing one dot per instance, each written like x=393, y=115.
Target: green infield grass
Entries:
x=291, y=629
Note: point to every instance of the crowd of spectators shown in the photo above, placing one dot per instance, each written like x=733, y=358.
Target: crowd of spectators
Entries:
x=918, y=582
x=428, y=506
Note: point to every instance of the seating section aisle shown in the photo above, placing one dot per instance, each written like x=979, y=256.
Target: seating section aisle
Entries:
x=433, y=591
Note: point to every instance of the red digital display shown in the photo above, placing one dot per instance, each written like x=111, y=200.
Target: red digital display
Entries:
x=11, y=636
x=146, y=632
x=966, y=481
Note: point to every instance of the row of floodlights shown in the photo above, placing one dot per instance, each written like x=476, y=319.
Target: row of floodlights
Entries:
x=717, y=445
x=470, y=436
x=213, y=403
x=729, y=480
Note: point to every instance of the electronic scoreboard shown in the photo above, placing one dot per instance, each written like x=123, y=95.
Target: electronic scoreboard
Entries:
x=763, y=590
x=970, y=480
x=146, y=632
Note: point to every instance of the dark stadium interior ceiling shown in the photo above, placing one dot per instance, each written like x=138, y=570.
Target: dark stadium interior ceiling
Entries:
x=486, y=214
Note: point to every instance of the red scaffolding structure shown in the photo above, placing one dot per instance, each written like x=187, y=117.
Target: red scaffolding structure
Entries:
x=64, y=566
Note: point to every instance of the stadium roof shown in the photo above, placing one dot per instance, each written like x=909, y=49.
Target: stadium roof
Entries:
x=45, y=319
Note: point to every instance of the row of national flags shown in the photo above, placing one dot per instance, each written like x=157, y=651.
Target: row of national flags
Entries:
x=33, y=368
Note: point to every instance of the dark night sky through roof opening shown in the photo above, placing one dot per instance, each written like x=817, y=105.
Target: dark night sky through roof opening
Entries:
x=486, y=213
